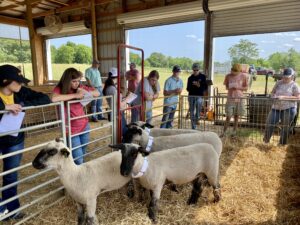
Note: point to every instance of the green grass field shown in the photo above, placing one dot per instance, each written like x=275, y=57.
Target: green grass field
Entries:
x=258, y=86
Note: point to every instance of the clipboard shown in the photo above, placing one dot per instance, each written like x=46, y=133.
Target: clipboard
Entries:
x=10, y=122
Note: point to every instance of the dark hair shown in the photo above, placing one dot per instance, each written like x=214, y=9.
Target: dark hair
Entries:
x=153, y=74
x=65, y=81
x=5, y=83
x=109, y=82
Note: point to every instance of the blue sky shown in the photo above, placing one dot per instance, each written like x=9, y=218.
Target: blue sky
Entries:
x=183, y=40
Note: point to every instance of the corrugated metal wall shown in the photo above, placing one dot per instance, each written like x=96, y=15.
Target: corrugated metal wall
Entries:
x=109, y=35
x=275, y=17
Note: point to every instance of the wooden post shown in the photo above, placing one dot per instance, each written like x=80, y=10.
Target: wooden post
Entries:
x=208, y=50
x=36, y=46
x=94, y=30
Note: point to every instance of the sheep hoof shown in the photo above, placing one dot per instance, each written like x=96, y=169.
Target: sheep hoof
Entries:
x=192, y=201
x=217, y=195
x=173, y=188
x=130, y=193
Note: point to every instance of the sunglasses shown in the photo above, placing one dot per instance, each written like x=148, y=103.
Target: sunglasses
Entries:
x=195, y=70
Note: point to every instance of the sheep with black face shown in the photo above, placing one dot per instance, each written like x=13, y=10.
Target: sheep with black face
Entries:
x=83, y=182
x=159, y=132
x=178, y=165
x=141, y=137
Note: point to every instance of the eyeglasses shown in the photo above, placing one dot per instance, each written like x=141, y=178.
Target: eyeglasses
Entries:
x=195, y=70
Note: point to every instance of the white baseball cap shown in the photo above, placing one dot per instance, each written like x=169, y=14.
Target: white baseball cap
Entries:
x=113, y=71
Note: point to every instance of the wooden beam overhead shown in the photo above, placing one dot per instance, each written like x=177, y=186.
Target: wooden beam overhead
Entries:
x=13, y=21
x=74, y=6
x=8, y=7
x=58, y=2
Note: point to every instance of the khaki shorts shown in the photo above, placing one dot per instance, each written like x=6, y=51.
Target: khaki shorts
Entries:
x=235, y=109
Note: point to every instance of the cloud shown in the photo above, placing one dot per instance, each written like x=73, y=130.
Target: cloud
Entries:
x=262, y=50
x=286, y=34
x=200, y=39
x=268, y=42
x=191, y=36
x=297, y=39
x=288, y=45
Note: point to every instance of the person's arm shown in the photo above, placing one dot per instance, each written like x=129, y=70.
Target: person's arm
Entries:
x=93, y=91
x=189, y=85
x=14, y=108
x=203, y=83
x=57, y=97
x=31, y=98
x=87, y=77
x=226, y=82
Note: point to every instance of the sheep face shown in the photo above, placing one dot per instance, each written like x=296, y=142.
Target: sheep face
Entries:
x=129, y=155
x=135, y=134
x=51, y=155
x=140, y=124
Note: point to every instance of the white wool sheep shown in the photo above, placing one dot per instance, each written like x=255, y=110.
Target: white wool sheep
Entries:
x=83, y=182
x=178, y=165
x=139, y=136
x=159, y=132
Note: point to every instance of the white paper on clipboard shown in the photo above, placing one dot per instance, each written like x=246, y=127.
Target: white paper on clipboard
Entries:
x=10, y=122
x=87, y=98
x=130, y=97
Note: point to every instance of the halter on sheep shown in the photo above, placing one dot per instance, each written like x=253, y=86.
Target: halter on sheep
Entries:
x=178, y=165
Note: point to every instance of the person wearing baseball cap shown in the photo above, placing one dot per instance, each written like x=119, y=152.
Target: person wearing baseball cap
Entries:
x=282, y=109
x=172, y=88
x=196, y=87
x=13, y=96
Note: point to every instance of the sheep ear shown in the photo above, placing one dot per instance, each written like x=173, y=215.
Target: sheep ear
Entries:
x=117, y=147
x=65, y=152
x=148, y=125
x=58, y=139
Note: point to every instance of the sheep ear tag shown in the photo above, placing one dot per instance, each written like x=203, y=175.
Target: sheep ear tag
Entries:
x=65, y=152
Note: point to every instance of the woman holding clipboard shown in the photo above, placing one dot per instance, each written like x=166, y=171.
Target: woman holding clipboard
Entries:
x=14, y=96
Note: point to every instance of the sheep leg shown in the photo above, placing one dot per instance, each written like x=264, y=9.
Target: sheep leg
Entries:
x=140, y=189
x=217, y=193
x=80, y=214
x=173, y=188
x=91, y=218
x=130, y=189
x=196, y=192
x=153, y=208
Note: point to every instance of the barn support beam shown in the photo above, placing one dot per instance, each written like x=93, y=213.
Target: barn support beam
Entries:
x=37, y=50
x=208, y=44
x=94, y=30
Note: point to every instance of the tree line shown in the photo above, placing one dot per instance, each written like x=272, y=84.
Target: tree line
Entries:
x=245, y=52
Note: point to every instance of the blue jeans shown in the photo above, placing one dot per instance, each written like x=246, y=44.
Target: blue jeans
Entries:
x=286, y=117
x=124, y=124
x=77, y=141
x=96, y=105
x=149, y=116
x=169, y=112
x=8, y=164
x=195, y=104
x=135, y=115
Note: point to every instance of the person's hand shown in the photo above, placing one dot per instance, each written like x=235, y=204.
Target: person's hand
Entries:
x=14, y=108
x=178, y=90
x=155, y=96
x=80, y=94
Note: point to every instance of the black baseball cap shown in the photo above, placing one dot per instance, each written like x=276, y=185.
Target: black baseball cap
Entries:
x=288, y=72
x=9, y=72
x=176, y=69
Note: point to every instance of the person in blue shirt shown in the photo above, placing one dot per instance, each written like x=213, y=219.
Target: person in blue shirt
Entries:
x=172, y=88
x=93, y=78
x=196, y=86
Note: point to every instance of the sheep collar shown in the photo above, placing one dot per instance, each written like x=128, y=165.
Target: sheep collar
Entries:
x=147, y=130
x=149, y=144
x=142, y=170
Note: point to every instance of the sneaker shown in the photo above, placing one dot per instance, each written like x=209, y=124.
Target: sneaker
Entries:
x=102, y=118
x=94, y=120
x=3, y=213
x=17, y=216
